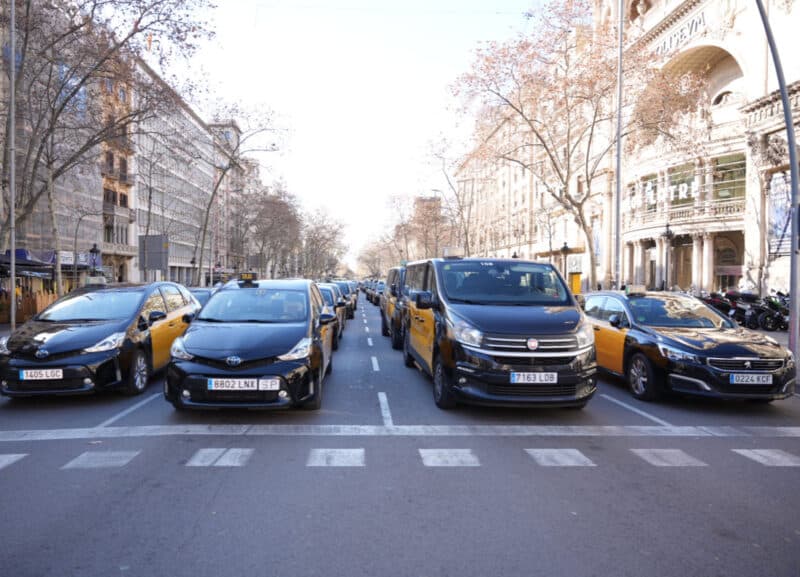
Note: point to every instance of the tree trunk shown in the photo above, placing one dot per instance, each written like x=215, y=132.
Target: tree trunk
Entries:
x=54, y=228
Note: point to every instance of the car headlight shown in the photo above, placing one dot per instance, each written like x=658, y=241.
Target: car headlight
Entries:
x=677, y=355
x=109, y=343
x=464, y=333
x=4, y=346
x=178, y=350
x=585, y=335
x=300, y=351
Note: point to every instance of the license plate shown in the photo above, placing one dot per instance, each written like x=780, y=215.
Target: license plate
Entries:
x=535, y=378
x=41, y=374
x=232, y=384
x=747, y=379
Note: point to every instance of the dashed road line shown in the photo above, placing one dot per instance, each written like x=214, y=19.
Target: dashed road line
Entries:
x=336, y=458
x=385, y=412
x=216, y=457
x=369, y=341
x=375, y=366
x=637, y=411
x=770, y=457
x=366, y=329
x=449, y=458
x=128, y=411
x=560, y=458
x=668, y=458
x=101, y=459
x=6, y=460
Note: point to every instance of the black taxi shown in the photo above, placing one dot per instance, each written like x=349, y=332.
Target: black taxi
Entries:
x=501, y=332
x=255, y=343
x=663, y=341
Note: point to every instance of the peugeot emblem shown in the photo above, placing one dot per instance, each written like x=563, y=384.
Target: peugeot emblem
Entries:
x=42, y=354
x=533, y=344
x=233, y=361
x=748, y=365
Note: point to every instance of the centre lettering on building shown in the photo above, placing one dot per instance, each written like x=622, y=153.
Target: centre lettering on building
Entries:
x=682, y=34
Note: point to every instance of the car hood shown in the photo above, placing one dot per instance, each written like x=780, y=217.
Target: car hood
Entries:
x=248, y=341
x=721, y=341
x=533, y=319
x=61, y=337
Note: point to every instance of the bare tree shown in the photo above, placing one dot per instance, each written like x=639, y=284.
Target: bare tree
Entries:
x=322, y=246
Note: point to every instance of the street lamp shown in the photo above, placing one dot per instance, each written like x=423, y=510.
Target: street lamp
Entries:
x=564, y=253
x=667, y=235
x=94, y=251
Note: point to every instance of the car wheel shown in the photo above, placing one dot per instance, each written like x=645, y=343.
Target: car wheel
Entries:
x=384, y=326
x=397, y=338
x=138, y=374
x=768, y=322
x=314, y=404
x=443, y=395
x=408, y=360
x=752, y=322
x=642, y=379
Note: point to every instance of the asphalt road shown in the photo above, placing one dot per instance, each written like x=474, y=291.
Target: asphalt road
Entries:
x=381, y=482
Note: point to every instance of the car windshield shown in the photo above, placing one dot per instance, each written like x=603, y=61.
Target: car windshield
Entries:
x=103, y=305
x=345, y=288
x=503, y=283
x=256, y=305
x=327, y=294
x=202, y=295
x=674, y=311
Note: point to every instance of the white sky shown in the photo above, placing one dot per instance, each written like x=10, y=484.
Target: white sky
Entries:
x=362, y=87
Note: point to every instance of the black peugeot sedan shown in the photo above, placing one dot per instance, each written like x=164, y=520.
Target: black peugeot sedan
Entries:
x=256, y=344
x=94, y=338
x=661, y=342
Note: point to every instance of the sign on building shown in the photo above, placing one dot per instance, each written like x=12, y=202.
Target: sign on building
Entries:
x=154, y=252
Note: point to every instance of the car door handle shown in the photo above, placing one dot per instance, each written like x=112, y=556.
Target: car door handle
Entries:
x=596, y=328
x=172, y=324
x=420, y=319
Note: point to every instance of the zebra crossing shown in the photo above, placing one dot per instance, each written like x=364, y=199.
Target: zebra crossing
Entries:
x=226, y=457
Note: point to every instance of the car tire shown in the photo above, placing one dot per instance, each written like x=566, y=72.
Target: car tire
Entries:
x=384, y=326
x=138, y=374
x=443, y=394
x=397, y=338
x=314, y=404
x=335, y=341
x=642, y=379
x=768, y=322
x=752, y=322
x=408, y=360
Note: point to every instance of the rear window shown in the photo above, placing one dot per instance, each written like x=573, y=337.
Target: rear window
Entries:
x=502, y=283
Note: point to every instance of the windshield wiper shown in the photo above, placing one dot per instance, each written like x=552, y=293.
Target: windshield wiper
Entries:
x=466, y=301
x=211, y=320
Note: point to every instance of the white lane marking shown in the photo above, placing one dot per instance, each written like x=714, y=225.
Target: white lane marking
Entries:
x=234, y=458
x=375, y=366
x=366, y=329
x=128, y=411
x=637, y=411
x=205, y=457
x=668, y=458
x=101, y=459
x=365, y=321
x=449, y=458
x=396, y=431
x=770, y=457
x=6, y=460
x=335, y=458
x=385, y=412
x=560, y=458
x=369, y=341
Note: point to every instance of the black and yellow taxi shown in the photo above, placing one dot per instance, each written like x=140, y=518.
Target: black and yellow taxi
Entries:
x=349, y=294
x=392, y=305
x=96, y=337
x=334, y=303
x=663, y=341
x=257, y=344
x=502, y=332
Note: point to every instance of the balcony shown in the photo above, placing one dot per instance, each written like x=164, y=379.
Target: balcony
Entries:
x=118, y=212
x=691, y=213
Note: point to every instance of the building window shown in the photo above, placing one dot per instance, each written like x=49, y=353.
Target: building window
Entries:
x=123, y=96
x=729, y=177
x=682, y=184
x=109, y=162
x=109, y=196
x=123, y=200
x=123, y=169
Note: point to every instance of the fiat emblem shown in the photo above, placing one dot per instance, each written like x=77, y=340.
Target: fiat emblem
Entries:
x=42, y=354
x=233, y=361
x=533, y=344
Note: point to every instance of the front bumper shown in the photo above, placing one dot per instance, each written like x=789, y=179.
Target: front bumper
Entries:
x=702, y=380
x=82, y=374
x=485, y=379
x=186, y=385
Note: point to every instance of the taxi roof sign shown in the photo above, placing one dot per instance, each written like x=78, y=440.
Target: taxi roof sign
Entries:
x=247, y=278
x=635, y=289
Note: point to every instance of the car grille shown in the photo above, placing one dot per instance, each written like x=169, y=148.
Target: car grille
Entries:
x=760, y=365
x=533, y=390
x=221, y=364
x=519, y=344
x=533, y=361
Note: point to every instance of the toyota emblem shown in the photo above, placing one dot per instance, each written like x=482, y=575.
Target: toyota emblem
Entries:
x=533, y=344
x=42, y=354
x=233, y=361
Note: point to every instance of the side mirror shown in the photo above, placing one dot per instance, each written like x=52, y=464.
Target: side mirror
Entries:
x=615, y=321
x=155, y=316
x=423, y=300
x=326, y=318
x=393, y=290
x=187, y=318
x=581, y=301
